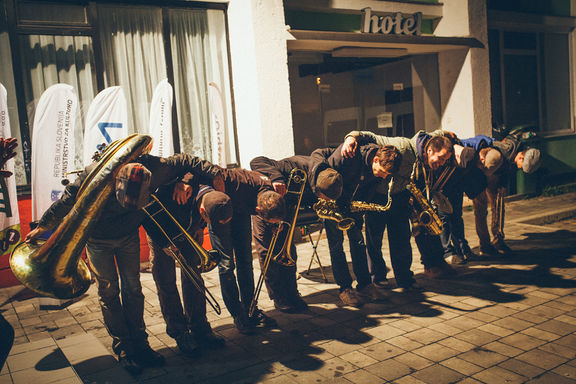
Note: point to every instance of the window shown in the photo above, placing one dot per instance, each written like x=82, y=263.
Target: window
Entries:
x=96, y=45
x=530, y=77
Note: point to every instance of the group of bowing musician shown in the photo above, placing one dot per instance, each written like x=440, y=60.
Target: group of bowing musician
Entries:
x=237, y=205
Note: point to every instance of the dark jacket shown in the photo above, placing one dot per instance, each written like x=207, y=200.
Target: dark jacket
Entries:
x=243, y=187
x=278, y=171
x=116, y=221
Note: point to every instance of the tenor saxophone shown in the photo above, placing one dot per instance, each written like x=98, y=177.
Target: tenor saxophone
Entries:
x=423, y=215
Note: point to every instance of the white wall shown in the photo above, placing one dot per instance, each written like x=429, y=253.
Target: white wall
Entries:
x=260, y=79
x=464, y=74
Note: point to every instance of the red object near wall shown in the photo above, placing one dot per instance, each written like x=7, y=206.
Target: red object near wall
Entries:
x=7, y=279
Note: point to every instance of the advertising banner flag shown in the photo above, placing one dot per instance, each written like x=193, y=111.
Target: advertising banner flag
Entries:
x=9, y=216
x=161, y=120
x=106, y=121
x=217, y=125
x=53, y=148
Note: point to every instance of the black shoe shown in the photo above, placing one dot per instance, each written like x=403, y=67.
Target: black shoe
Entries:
x=147, y=357
x=243, y=326
x=260, y=320
x=187, y=344
x=209, y=340
x=489, y=251
x=129, y=363
x=470, y=255
x=383, y=284
x=502, y=248
x=458, y=259
x=413, y=287
x=296, y=305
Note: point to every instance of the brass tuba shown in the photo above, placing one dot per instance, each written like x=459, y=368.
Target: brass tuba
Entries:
x=280, y=248
x=53, y=267
x=423, y=215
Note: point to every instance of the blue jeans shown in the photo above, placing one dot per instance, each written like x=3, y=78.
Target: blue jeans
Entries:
x=357, y=253
x=453, y=235
x=123, y=319
x=234, y=241
x=397, y=220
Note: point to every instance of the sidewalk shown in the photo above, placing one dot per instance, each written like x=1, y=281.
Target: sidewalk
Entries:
x=499, y=321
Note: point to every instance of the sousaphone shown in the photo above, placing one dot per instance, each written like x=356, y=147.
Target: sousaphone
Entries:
x=54, y=267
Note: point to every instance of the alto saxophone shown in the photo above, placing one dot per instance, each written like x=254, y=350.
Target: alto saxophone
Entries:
x=423, y=215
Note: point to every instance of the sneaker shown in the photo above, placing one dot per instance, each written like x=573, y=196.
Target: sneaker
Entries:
x=384, y=284
x=209, y=340
x=260, y=320
x=187, y=344
x=243, y=326
x=147, y=357
x=488, y=251
x=371, y=293
x=413, y=287
x=458, y=259
x=350, y=297
x=128, y=362
x=439, y=272
x=501, y=247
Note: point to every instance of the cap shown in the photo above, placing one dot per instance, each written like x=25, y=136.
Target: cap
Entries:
x=329, y=183
x=532, y=160
x=218, y=206
x=492, y=161
x=466, y=156
x=133, y=186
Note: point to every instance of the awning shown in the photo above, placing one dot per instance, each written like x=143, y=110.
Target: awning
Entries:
x=350, y=44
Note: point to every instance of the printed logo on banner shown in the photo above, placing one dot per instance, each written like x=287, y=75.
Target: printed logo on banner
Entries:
x=102, y=127
x=11, y=238
x=55, y=195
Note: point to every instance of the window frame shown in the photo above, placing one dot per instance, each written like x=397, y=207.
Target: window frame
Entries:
x=499, y=22
x=16, y=29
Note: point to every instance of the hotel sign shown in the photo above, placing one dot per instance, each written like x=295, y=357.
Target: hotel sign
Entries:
x=393, y=24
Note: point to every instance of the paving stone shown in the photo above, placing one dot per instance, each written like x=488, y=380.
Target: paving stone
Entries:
x=521, y=341
x=457, y=344
x=436, y=352
x=483, y=357
x=384, y=332
x=521, y=368
x=438, y=374
x=358, y=359
x=560, y=350
x=362, y=377
x=557, y=327
x=408, y=380
x=542, y=359
x=462, y=366
x=566, y=371
x=540, y=334
x=550, y=377
x=476, y=337
x=413, y=361
x=404, y=343
x=512, y=323
x=382, y=351
x=389, y=370
x=498, y=374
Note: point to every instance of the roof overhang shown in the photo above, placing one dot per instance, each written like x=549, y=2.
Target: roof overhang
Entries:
x=350, y=44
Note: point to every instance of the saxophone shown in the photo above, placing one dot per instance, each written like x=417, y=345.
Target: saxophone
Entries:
x=422, y=214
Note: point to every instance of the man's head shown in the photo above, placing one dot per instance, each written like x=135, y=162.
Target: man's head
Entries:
x=133, y=186
x=386, y=161
x=216, y=207
x=528, y=160
x=439, y=150
x=490, y=159
x=271, y=206
x=329, y=184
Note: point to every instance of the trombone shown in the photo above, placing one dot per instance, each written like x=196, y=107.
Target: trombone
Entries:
x=208, y=259
x=280, y=247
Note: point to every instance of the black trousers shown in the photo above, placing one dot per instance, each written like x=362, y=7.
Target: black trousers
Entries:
x=280, y=280
x=6, y=339
x=397, y=220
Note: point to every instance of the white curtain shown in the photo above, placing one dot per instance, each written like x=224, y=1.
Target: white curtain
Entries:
x=49, y=60
x=133, y=55
x=199, y=54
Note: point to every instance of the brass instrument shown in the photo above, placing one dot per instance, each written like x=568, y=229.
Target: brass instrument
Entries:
x=422, y=213
x=328, y=210
x=54, y=267
x=280, y=248
x=208, y=259
x=500, y=212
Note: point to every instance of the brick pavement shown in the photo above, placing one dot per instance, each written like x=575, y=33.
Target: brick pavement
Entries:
x=502, y=320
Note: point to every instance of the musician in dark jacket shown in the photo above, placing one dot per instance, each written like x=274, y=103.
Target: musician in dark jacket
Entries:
x=368, y=163
x=251, y=194
x=186, y=323
x=281, y=279
x=113, y=248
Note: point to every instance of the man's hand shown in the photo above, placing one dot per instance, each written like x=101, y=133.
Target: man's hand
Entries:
x=33, y=235
x=7, y=147
x=280, y=188
x=182, y=193
x=349, y=147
